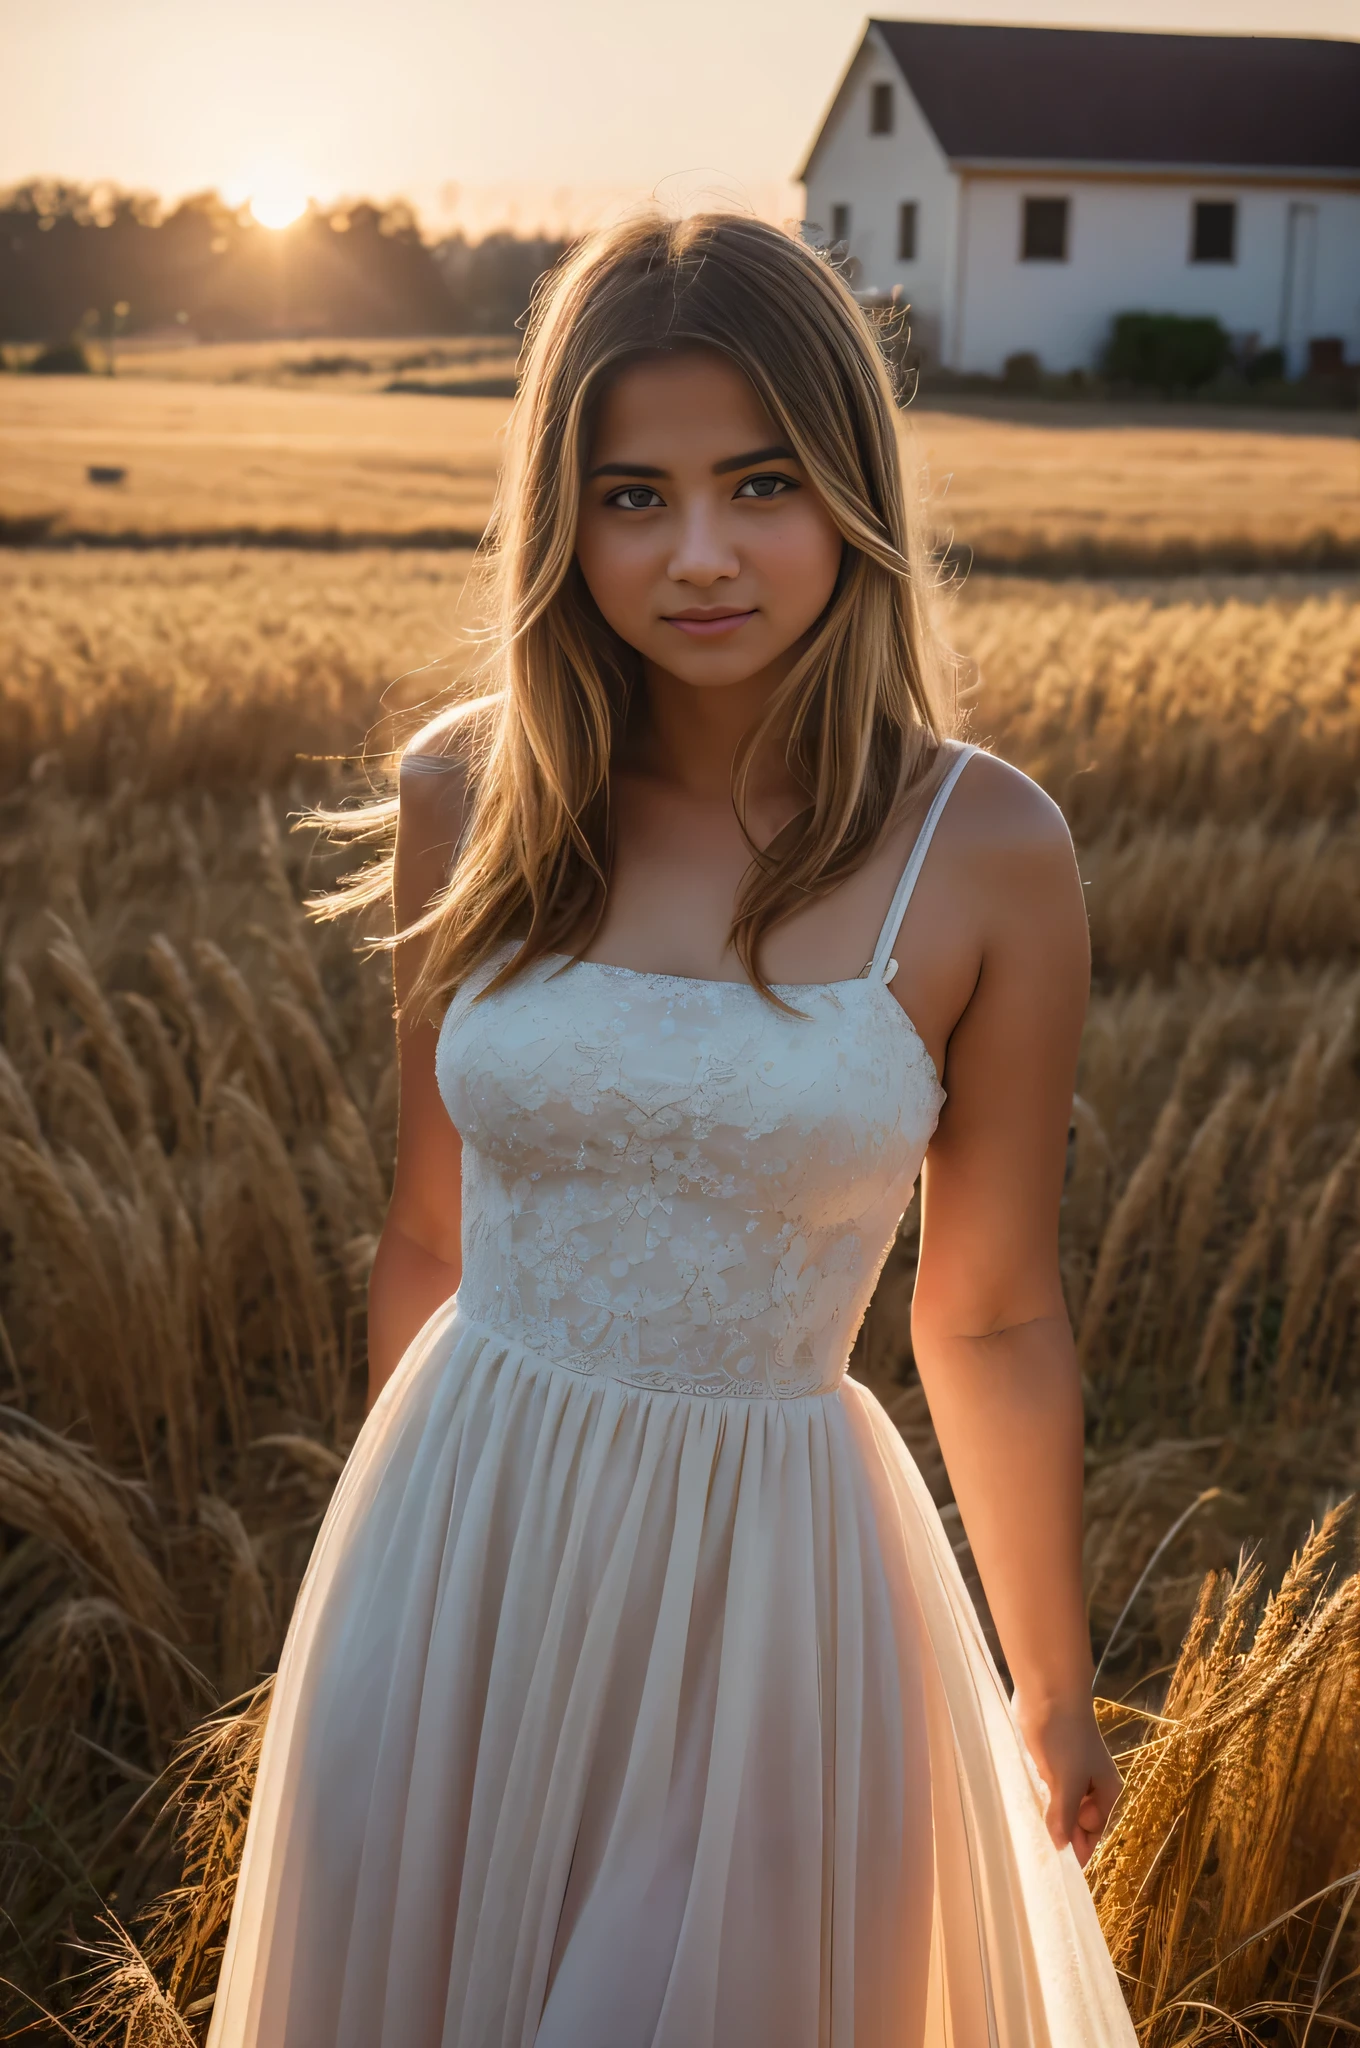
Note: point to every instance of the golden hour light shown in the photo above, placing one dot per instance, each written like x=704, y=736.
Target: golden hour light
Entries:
x=278, y=206
x=680, y=1349
x=276, y=193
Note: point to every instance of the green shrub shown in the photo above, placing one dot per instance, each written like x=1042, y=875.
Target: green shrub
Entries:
x=1165, y=351
x=1022, y=372
x=1267, y=366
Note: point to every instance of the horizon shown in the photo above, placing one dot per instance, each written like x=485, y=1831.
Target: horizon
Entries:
x=543, y=120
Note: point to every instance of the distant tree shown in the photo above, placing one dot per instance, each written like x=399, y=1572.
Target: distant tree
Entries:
x=193, y=256
x=68, y=255
x=78, y=260
x=375, y=272
x=492, y=281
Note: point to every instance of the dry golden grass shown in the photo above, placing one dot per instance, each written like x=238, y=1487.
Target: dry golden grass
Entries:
x=269, y=454
x=244, y=461
x=1206, y=754
x=1206, y=1884
x=213, y=668
x=1240, y=704
x=1055, y=489
x=196, y=1122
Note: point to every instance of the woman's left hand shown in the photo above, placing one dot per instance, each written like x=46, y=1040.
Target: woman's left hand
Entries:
x=1082, y=1777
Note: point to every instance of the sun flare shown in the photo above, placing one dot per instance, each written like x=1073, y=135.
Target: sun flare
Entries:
x=275, y=191
x=278, y=202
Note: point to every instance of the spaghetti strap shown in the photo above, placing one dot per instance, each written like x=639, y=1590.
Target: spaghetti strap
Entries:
x=878, y=969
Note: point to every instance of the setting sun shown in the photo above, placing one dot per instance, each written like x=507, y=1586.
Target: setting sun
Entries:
x=276, y=193
x=278, y=203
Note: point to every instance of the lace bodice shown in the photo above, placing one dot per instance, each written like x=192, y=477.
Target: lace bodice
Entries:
x=673, y=1183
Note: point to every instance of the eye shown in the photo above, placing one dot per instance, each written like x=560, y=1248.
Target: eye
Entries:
x=771, y=486
x=635, y=498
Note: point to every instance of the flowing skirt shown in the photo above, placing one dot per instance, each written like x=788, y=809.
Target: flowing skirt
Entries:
x=619, y=1719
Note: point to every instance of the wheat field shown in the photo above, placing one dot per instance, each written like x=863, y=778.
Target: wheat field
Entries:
x=196, y=1126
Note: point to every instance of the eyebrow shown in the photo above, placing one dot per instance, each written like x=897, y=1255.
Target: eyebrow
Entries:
x=776, y=453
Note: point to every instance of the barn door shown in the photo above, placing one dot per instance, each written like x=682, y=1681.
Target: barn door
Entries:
x=1300, y=273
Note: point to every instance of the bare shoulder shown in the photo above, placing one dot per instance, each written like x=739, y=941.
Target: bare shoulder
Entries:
x=1000, y=812
x=433, y=786
x=1006, y=833
x=436, y=764
x=446, y=743
x=1013, y=856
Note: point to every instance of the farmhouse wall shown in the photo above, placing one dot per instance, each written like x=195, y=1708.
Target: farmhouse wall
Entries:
x=1129, y=251
x=873, y=175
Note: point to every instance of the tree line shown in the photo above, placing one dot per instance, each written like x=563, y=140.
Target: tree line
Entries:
x=89, y=261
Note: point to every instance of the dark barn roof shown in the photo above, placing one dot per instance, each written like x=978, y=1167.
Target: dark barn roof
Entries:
x=1107, y=96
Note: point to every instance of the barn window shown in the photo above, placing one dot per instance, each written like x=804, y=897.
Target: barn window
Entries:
x=1044, y=239
x=906, y=231
x=1214, y=235
x=840, y=222
x=880, y=110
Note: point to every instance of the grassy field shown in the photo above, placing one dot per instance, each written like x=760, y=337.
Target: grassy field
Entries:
x=244, y=461
x=196, y=1125
x=213, y=668
x=258, y=452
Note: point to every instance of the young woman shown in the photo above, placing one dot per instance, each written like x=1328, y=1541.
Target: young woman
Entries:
x=633, y=1698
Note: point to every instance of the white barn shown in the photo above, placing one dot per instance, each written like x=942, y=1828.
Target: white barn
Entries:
x=1021, y=186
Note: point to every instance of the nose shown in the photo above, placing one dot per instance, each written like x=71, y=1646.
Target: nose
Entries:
x=703, y=555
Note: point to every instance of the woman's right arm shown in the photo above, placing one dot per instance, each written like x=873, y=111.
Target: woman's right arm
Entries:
x=418, y=1262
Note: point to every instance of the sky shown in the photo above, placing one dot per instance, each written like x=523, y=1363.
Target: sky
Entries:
x=525, y=113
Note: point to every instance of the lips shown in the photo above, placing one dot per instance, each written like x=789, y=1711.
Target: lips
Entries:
x=708, y=625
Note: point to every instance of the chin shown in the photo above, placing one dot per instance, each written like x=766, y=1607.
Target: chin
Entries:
x=714, y=667
x=717, y=675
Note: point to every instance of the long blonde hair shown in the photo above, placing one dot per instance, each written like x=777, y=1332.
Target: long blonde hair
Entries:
x=864, y=707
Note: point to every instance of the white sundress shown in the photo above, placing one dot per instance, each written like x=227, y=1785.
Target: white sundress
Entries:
x=633, y=1697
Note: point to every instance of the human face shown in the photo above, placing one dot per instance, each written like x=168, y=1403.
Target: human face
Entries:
x=700, y=538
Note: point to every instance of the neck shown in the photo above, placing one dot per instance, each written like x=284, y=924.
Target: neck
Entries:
x=695, y=734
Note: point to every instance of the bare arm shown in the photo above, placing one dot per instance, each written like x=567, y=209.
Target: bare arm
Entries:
x=993, y=1343
x=418, y=1262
